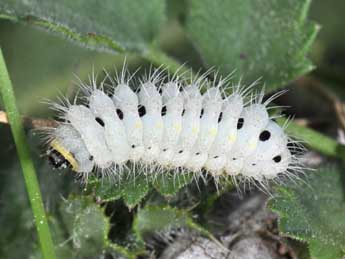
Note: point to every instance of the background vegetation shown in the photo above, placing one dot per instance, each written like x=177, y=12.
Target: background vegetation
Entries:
x=275, y=40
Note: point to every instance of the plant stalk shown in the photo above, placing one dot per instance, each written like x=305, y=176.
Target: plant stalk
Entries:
x=31, y=181
x=315, y=140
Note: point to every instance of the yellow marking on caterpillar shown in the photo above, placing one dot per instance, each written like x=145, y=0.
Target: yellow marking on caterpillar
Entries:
x=252, y=144
x=232, y=138
x=195, y=130
x=213, y=131
x=178, y=127
x=66, y=154
x=138, y=125
x=159, y=125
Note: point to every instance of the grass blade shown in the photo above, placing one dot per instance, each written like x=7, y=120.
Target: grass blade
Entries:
x=315, y=140
x=29, y=173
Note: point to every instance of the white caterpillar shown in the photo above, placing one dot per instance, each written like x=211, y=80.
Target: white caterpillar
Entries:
x=166, y=126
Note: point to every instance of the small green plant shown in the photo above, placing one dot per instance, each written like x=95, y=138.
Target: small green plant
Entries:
x=259, y=39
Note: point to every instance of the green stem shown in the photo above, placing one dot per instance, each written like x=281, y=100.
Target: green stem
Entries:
x=315, y=140
x=29, y=173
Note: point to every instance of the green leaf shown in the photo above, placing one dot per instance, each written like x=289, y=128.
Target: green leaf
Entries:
x=87, y=225
x=319, y=250
x=267, y=39
x=314, y=212
x=134, y=190
x=154, y=218
x=106, y=190
x=88, y=229
x=157, y=218
x=131, y=188
x=168, y=184
x=115, y=26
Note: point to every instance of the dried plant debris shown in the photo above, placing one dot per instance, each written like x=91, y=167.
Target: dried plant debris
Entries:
x=244, y=226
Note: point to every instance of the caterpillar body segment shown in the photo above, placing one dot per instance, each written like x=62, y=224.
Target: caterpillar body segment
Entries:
x=153, y=128
x=211, y=107
x=190, y=125
x=91, y=133
x=226, y=134
x=102, y=106
x=126, y=101
x=171, y=111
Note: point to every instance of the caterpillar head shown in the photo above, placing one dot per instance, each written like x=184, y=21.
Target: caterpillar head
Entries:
x=67, y=150
x=60, y=158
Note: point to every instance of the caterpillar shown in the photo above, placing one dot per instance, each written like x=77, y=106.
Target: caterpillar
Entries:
x=171, y=125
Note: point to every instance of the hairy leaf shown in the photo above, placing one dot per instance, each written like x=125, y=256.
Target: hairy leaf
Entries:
x=131, y=188
x=158, y=218
x=168, y=184
x=319, y=250
x=155, y=219
x=267, y=39
x=134, y=189
x=106, y=190
x=314, y=212
x=107, y=25
x=87, y=225
x=87, y=228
